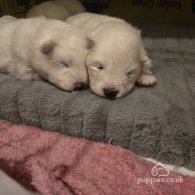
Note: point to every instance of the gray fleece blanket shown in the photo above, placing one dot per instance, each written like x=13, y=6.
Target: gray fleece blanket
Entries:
x=156, y=122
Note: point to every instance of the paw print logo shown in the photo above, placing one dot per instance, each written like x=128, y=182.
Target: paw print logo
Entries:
x=159, y=171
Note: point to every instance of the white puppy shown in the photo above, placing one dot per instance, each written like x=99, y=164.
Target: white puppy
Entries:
x=40, y=48
x=118, y=59
x=59, y=9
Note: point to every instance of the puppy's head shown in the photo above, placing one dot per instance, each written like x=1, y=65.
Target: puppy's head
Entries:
x=115, y=63
x=61, y=53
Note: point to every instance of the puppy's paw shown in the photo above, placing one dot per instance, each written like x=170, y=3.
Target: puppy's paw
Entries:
x=146, y=80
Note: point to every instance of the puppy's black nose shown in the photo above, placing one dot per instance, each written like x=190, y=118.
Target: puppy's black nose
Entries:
x=110, y=93
x=79, y=86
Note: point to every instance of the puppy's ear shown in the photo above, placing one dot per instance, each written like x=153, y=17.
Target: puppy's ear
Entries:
x=146, y=62
x=146, y=78
x=90, y=43
x=139, y=31
x=47, y=47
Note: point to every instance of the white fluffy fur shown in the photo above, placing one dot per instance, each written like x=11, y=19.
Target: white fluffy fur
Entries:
x=59, y=9
x=40, y=48
x=118, y=59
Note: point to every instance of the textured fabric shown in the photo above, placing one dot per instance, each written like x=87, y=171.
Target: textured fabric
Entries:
x=156, y=122
x=51, y=163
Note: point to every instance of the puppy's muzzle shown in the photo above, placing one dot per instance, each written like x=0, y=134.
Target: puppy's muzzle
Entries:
x=110, y=93
x=79, y=86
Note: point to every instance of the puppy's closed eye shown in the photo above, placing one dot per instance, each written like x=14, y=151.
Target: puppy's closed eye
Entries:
x=65, y=64
x=97, y=66
x=130, y=72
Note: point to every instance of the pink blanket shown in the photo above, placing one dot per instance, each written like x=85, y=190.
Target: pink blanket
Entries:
x=54, y=164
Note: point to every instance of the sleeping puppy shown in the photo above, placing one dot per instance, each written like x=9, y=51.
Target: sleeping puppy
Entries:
x=118, y=59
x=59, y=9
x=32, y=49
